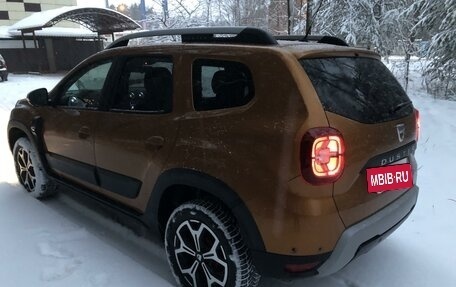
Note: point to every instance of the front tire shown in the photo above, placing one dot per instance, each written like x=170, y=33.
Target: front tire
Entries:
x=205, y=247
x=30, y=171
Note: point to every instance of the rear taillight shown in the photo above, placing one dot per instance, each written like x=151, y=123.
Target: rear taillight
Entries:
x=418, y=125
x=322, y=155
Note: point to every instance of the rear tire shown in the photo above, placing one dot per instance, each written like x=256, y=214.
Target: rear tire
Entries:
x=205, y=247
x=30, y=171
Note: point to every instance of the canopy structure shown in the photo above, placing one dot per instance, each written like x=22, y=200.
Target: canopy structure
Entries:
x=100, y=20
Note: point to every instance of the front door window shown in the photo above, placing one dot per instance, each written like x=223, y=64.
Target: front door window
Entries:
x=84, y=91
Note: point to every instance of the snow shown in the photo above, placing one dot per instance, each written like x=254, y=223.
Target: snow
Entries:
x=44, y=19
x=60, y=32
x=4, y=34
x=59, y=242
x=40, y=19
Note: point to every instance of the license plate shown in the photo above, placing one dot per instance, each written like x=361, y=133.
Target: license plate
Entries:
x=391, y=177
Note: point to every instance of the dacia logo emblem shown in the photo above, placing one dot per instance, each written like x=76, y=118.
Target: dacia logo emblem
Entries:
x=400, y=128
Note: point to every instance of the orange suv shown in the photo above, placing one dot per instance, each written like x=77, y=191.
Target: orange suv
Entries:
x=248, y=154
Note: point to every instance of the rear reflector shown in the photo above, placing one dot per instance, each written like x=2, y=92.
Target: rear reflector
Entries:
x=299, y=268
x=322, y=155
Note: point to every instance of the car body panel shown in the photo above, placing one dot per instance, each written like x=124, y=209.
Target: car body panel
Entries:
x=221, y=140
x=70, y=132
x=124, y=145
x=363, y=142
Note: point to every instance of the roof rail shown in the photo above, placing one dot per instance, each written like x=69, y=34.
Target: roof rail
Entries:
x=313, y=38
x=220, y=35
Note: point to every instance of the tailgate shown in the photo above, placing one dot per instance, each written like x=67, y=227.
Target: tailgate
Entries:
x=367, y=105
x=369, y=145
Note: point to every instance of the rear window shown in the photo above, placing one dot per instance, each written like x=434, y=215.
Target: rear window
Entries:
x=361, y=89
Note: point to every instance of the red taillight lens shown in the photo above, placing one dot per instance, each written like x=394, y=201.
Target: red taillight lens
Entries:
x=322, y=155
x=418, y=125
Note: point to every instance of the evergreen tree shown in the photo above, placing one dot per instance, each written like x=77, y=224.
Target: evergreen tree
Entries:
x=440, y=16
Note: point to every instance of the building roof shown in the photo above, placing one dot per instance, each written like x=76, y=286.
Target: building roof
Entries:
x=100, y=20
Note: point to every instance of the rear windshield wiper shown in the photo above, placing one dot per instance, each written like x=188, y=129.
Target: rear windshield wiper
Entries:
x=400, y=107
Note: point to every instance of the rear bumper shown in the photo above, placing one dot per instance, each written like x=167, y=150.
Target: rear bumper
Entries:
x=362, y=236
x=354, y=241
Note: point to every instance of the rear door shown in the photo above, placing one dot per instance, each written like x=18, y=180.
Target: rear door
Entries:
x=364, y=102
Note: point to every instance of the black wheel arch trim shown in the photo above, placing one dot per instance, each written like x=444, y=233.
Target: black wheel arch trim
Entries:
x=213, y=186
x=34, y=134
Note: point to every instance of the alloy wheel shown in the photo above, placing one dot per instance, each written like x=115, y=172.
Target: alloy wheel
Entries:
x=26, y=169
x=199, y=254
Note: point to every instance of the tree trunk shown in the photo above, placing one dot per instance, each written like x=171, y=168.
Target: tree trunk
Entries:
x=165, y=9
x=208, y=13
x=408, y=53
x=309, y=16
x=407, y=69
x=289, y=15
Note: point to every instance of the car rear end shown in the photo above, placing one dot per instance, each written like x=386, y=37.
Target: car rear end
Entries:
x=371, y=127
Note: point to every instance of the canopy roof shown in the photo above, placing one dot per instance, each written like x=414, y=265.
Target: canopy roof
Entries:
x=100, y=20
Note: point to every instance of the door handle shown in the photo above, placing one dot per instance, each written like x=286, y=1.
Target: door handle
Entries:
x=84, y=132
x=155, y=142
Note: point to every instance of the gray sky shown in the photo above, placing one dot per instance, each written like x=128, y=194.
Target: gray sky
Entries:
x=101, y=3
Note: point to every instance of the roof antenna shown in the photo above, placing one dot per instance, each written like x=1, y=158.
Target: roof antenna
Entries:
x=312, y=21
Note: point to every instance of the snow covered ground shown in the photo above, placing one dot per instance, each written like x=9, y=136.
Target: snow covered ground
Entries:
x=58, y=242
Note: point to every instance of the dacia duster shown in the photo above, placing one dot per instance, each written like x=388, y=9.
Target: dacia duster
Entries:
x=248, y=154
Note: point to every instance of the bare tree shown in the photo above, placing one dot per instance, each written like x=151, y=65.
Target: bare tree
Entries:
x=243, y=13
x=278, y=17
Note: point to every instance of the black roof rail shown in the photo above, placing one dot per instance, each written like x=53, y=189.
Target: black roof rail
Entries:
x=314, y=38
x=244, y=35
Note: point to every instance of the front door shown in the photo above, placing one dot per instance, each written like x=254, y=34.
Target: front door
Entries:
x=70, y=122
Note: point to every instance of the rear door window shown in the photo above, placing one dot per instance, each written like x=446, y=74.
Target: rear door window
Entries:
x=146, y=85
x=362, y=89
x=221, y=84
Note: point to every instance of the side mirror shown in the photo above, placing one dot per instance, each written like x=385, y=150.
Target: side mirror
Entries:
x=38, y=97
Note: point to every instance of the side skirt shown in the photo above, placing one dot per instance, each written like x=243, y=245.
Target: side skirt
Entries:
x=119, y=213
